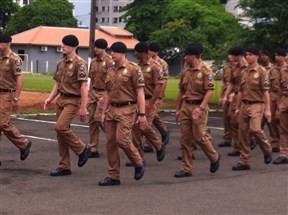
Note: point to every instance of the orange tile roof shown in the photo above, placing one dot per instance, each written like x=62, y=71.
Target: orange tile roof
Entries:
x=52, y=36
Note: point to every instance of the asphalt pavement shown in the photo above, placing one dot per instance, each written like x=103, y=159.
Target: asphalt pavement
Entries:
x=27, y=189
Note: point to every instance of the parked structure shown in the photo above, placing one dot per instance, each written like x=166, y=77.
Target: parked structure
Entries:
x=40, y=48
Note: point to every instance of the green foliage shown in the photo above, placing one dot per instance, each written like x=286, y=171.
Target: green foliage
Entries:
x=7, y=8
x=269, y=19
x=43, y=12
x=144, y=17
x=183, y=22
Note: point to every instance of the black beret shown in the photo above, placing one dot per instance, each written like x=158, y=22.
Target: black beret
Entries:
x=236, y=51
x=194, y=49
x=70, y=40
x=264, y=52
x=119, y=47
x=253, y=50
x=101, y=43
x=197, y=44
x=154, y=47
x=281, y=52
x=5, y=38
x=141, y=47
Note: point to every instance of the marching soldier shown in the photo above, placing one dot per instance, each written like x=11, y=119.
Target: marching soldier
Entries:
x=226, y=76
x=153, y=77
x=11, y=81
x=71, y=84
x=283, y=112
x=97, y=73
x=253, y=101
x=196, y=89
x=123, y=104
x=154, y=49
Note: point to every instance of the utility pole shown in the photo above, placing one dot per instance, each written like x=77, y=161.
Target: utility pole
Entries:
x=92, y=29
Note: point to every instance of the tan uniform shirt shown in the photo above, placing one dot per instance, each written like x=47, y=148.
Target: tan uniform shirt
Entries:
x=164, y=65
x=226, y=76
x=70, y=73
x=122, y=82
x=153, y=75
x=284, y=80
x=10, y=67
x=195, y=82
x=236, y=76
x=253, y=83
x=274, y=75
x=98, y=72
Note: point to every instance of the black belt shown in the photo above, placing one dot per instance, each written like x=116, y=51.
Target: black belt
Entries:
x=123, y=104
x=7, y=90
x=98, y=89
x=148, y=97
x=70, y=95
x=251, y=102
x=194, y=102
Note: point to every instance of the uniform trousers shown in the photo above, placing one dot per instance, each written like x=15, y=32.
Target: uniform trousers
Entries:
x=274, y=124
x=250, y=117
x=118, y=126
x=195, y=129
x=67, y=109
x=159, y=125
x=93, y=103
x=227, y=136
x=234, y=124
x=8, y=129
x=149, y=133
x=283, y=116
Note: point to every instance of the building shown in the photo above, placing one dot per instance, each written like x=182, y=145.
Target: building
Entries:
x=23, y=2
x=109, y=12
x=40, y=48
x=231, y=7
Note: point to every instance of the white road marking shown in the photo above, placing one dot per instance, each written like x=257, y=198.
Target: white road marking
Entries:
x=81, y=126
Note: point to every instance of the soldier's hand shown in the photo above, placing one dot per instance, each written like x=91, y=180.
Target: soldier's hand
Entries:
x=196, y=113
x=223, y=101
x=142, y=122
x=101, y=121
x=267, y=114
x=177, y=115
x=231, y=96
x=47, y=104
x=83, y=114
x=15, y=106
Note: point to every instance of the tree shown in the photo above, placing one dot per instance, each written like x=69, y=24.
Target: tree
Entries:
x=269, y=23
x=43, y=12
x=144, y=17
x=207, y=22
x=7, y=8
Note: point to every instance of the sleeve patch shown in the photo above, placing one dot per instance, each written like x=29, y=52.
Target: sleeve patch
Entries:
x=82, y=67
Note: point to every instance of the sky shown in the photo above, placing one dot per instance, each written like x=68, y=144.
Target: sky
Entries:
x=82, y=11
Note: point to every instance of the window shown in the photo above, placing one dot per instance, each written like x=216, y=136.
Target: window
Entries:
x=25, y=2
x=108, y=20
x=97, y=8
x=103, y=9
x=21, y=54
x=115, y=9
x=115, y=20
x=103, y=20
x=120, y=19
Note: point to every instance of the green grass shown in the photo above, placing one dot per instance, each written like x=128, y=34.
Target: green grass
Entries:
x=38, y=83
x=45, y=83
x=172, y=90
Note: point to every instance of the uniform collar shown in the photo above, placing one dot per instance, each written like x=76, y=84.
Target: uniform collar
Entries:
x=7, y=55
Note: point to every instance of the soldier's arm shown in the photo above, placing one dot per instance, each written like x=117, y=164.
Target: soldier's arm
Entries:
x=19, y=85
x=84, y=96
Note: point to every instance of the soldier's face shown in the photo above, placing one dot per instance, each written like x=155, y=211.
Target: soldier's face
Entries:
x=116, y=56
x=251, y=58
x=99, y=51
x=3, y=47
x=67, y=49
x=152, y=54
x=279, y=58
x=189, y=59
x=263, y=58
